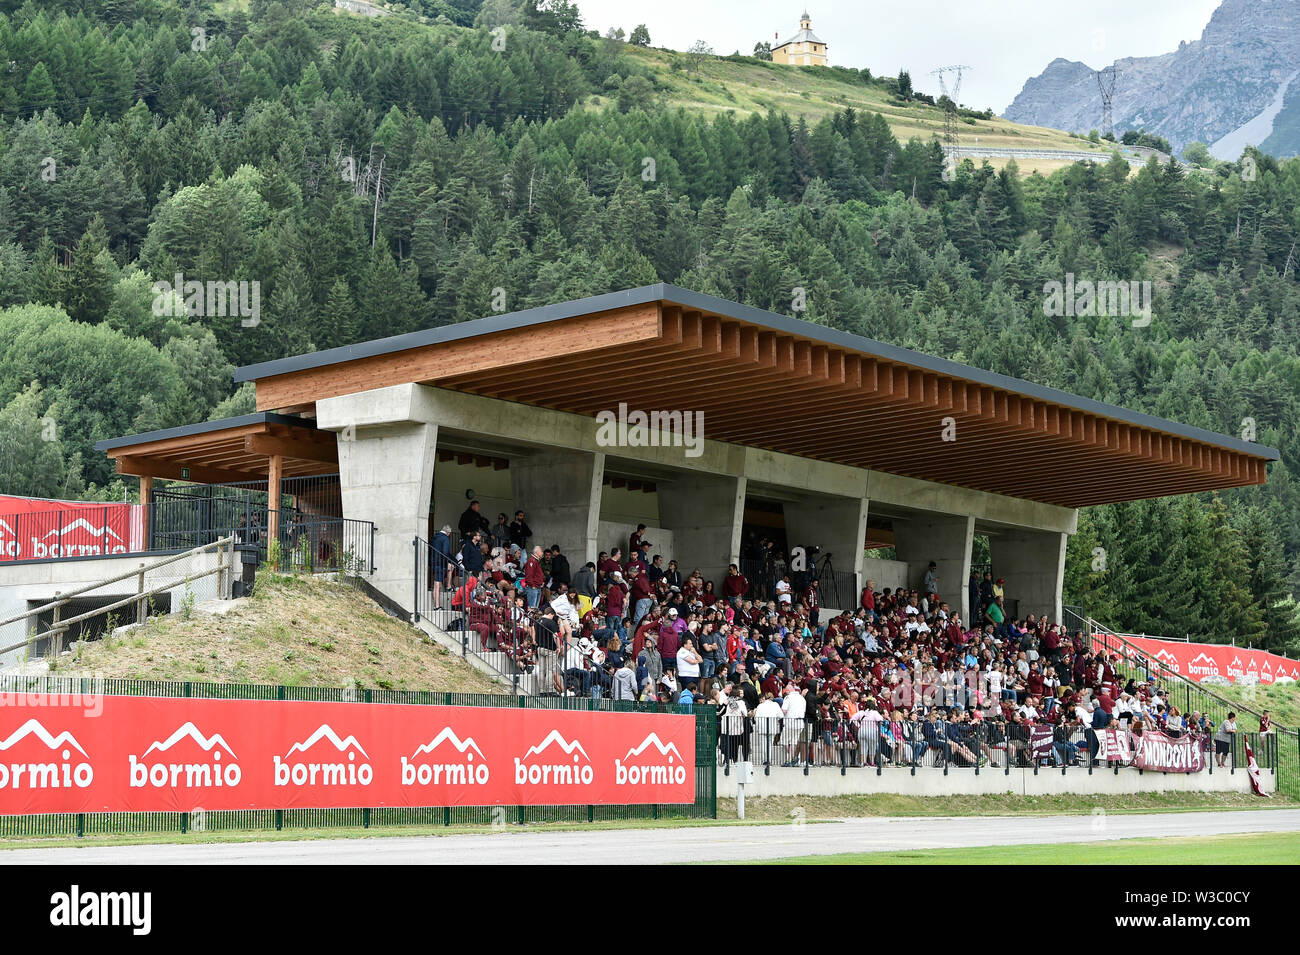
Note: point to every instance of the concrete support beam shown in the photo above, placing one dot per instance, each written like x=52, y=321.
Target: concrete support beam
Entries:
x=705, y=513
x=838, y=526
x=388, y=445
x=559, y=492
x=946, y=540
x=1033, y=563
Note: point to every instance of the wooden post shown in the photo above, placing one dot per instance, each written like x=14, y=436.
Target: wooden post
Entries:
x=146, y=504
x=139, y=589
x=273, y=498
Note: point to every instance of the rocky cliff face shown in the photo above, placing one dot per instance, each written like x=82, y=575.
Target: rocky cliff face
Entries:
x=1238, y=74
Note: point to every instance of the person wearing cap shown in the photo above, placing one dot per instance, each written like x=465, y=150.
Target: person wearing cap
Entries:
x=671, y=628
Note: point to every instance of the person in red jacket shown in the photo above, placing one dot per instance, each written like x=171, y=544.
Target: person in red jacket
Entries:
x=640, y=591
x=534, y=579
x=616, y=603
x=734, y=585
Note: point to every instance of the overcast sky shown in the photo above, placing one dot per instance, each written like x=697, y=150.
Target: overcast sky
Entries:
x=1005, y=41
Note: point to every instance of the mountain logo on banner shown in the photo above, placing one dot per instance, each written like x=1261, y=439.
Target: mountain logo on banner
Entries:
x=207, y=771
x=55, y=771
x=458, y=772
x=83, y=525
x=336, y=773
x=578, y=771
x=1203, y=665
x=665, y=767
x=1168, y=659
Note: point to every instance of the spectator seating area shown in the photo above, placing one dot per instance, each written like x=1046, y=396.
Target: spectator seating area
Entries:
x=899, y=680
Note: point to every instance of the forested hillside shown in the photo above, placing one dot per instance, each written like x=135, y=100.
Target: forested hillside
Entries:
x=376, y=176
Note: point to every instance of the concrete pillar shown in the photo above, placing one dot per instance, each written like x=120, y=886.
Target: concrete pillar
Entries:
x=388, y=445
x=705, y=513
x=559, y=492
x=944, y=539
x=838, y=525
x=1033, y=564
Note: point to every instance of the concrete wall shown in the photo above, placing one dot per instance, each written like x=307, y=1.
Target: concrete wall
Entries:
x=947, y=541
x=25, y=585
x=836, y=524
x=886, y=573
x=613, y=534
x=618, y=505
x=705, y=513
x=827, y=781
x=387, y=452
x=491, y=487
x=1033, y=563
x=559, y=492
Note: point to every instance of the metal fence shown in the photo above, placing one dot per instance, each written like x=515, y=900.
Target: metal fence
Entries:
x=174, y=522
x=983, y=747
x=80, y=824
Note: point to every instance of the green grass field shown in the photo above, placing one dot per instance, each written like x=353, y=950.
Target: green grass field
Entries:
x=1264, y=848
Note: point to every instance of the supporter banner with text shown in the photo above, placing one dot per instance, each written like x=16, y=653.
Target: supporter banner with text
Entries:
x=1196, y=661
x=1114, y=745
x=1155, y=751
x=136, y=754
x=35, y=529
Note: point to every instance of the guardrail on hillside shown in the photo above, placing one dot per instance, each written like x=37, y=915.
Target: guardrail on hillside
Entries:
x=1193, y=697
x=53, y=633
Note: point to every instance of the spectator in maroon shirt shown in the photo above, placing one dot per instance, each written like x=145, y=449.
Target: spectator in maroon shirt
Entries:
x=734, y=585
x=640, y=592
x=615, y=604
x=534, y=579
x=634, y=541
x=606, y=566
x=812, y=600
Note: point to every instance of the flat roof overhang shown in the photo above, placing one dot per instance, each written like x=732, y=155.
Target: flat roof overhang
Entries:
x=228, y=450
x=769, y=381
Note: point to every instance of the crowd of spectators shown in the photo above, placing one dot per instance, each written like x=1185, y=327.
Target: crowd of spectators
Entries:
x=901, y=677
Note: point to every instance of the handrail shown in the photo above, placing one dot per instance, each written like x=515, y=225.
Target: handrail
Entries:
x=65, y=597
x=1166, y=672
x=224, y=566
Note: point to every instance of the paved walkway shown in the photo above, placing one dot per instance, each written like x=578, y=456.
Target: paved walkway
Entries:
x=650, y=846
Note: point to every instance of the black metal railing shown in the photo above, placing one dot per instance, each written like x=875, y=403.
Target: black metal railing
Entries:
x=986, y=746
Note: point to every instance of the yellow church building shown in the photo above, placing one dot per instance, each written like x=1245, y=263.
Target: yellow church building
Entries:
x=802, y=49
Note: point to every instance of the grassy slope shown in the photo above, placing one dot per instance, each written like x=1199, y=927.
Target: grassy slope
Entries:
x=754, y=86
x=1263, y=848
x=295, y=631
x=1282, y=700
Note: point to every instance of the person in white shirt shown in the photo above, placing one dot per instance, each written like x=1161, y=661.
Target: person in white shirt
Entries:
x=793, y=707
x=767, y=723
x=688, y=662
x=783, y=592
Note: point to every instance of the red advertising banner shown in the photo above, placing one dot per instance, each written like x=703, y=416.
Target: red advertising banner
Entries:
x=138, y=754
x=1155, y=751
x=1196, y=661
x=36, y=529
